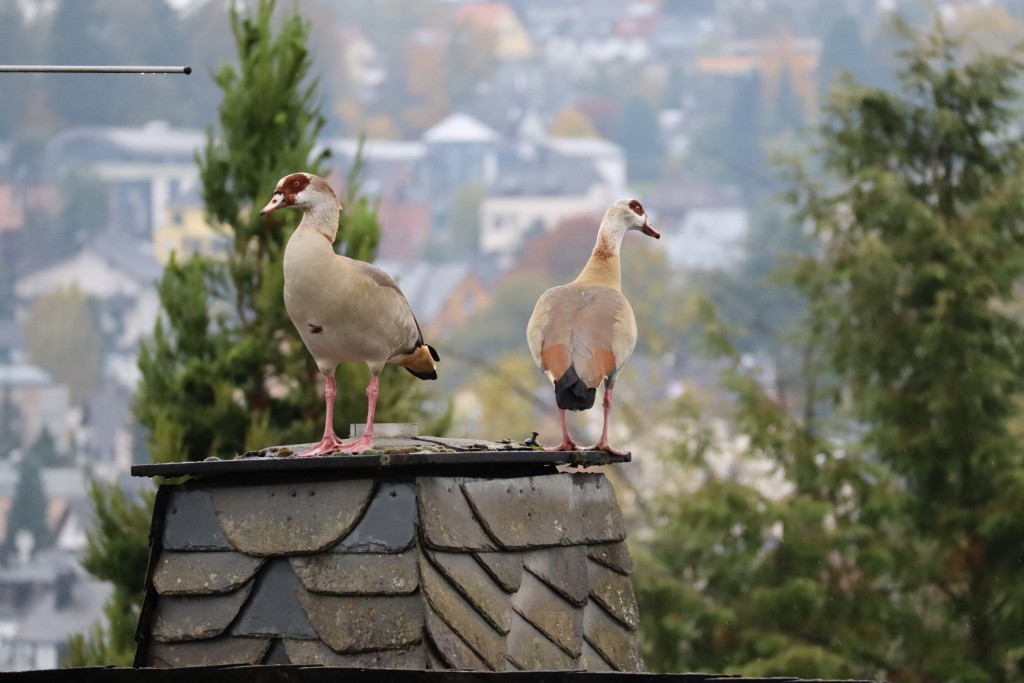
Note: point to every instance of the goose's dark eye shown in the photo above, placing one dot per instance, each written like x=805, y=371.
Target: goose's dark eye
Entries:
x=295, y=183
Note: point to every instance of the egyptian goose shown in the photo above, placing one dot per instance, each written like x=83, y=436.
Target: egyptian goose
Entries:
x=582, y=333
x=344, y=310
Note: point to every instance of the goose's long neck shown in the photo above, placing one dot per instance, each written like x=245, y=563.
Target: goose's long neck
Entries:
x=604, y=267
x=323, y=218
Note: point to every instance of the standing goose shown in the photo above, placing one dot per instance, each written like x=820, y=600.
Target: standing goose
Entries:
x=582, y=333
x=344, y=310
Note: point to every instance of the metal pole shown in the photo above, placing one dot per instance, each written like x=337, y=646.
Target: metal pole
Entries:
x=74, y=69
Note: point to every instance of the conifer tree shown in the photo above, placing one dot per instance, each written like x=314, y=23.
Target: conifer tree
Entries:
x=28, y=509
x=225, y=371
x=888, y=544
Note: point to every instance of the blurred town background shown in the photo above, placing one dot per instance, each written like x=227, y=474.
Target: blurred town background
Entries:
x=496, y=133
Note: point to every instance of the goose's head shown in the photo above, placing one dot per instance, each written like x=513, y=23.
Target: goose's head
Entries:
x=629, y=214
x=304, y=191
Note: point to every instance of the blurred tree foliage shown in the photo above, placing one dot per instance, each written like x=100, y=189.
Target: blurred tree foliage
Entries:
x=225, y=371
x=28, y=509
x=63, y=337
x=889, y=544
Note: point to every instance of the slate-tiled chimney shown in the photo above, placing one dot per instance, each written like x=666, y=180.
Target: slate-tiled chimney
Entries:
x=435, y=554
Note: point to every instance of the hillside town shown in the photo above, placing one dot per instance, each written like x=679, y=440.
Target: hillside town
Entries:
x=488, y=134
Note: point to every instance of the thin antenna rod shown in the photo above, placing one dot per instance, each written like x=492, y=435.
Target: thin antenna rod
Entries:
x=74, y=69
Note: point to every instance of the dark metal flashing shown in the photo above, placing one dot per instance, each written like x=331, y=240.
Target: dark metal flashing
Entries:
x=457, y=458
x=330, y=674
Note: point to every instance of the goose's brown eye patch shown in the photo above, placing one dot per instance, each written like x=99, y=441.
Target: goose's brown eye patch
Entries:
x=637, y=208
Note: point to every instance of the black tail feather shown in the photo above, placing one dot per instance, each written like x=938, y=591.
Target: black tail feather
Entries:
x=423, y=375
x=571, y=393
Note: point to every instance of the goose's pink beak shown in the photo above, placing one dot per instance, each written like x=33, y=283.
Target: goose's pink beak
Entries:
x=276, y=202
x=648, y=230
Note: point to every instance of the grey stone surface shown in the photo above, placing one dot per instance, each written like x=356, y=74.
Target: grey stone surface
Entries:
x=358, y=574
x=615, y=556
x=592, y=660
x=448, y=649
x=525, y=512
x=477, y=586
x=315, y=653
x=276, y=654
x=183, y=573
x=289, y=519
x=529, y=649
x=224, y=650
x=190, y=523
x=563, y=568
x=274, y=609
x=446, y=520
x=460, y=615
x=389, y=525
x=619, y=646
x=179, y=618
x=614, y=592
x=556, y=618
x=505, y=567
x=599, y=517
x=350, y=624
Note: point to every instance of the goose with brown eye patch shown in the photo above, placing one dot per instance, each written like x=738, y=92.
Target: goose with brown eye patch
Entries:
x=582, y=333
x=343, y=309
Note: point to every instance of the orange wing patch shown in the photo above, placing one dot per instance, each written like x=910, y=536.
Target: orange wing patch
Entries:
x=555, y=359
x=598, y=366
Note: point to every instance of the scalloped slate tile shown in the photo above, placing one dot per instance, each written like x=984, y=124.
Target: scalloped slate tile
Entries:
x=358, y=573
x=315, y=653
x=506, y=568
x=614, y=592
x=178, y=573
x=460, y=615
x=274, y=608
x=446, y=519
x=389, y=525
x=615, y=556
x=550, y=614
x=190, y=523
x=290, y=519
x=477, y=586
x=523, y=513
x=529, y=649
x=563, y=568
x=619, y=646
x=181, y=618
x=596, y=510
x=451, y=651
x=215, y=651
x=349, y=624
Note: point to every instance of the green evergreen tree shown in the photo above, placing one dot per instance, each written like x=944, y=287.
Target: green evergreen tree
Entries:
x=885, y=543
x=227, y=372
x=44, y=452
x=28, y=509
x=10, y=423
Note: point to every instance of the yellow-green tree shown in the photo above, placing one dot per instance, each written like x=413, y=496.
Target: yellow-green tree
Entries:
x=63, y=338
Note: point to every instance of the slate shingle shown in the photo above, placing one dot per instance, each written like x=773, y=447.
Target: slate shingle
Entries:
x=525, y=512
x=477, y=586
x=615, y=556
x=563, y=568
x=446, y=520
x=614, y=592
x=556, y=618
x=190, y=523
x=389, y=525
x=356, y=623
x=529, y=649
x=210, y=652
x=189, y=617
x=447, y=650
x=463, y=619
x=504, y=567
x=290, y=519
x=273, y=609
x=315, y=653
x=619, y=646
x=183, y=573
x=358, y=573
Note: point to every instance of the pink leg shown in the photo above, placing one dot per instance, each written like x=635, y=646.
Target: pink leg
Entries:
x=602, y=444
x=330, y=442
x=365, y=442
x=567, y=442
